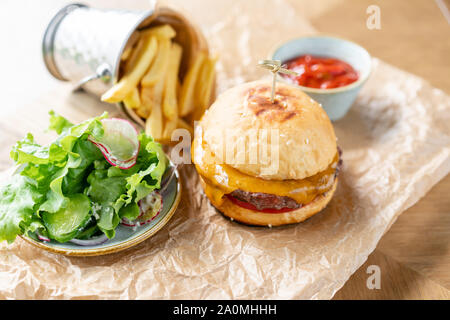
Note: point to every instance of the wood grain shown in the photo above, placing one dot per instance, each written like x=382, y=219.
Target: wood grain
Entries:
x=397, y=282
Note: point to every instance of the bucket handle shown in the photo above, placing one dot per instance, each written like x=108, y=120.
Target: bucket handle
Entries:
x=102, y=72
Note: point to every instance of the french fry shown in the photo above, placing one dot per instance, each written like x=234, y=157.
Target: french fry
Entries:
x=204, y=87
x=133, y=100
x=163, y=31
x=153, y=96
x=143, y=111
x=154, y=123
x=131, y=78
x=184, y=125
x=158, y=67
x=147, y=101
x=170, y=104
x=134, y=38
x=130, y=63
x=146, y=96
x=126, y=53
x=186, y=102
x=169, y=126
x=208, y=83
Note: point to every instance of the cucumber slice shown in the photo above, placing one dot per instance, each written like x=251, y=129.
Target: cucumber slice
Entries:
x=89, y=230
x=64, y=224
x=87, y=233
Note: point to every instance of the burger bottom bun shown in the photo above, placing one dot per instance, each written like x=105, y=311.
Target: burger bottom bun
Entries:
x=252, y=217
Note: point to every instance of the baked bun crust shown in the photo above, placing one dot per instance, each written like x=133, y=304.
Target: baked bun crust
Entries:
x=252, y=217
x=296, y=127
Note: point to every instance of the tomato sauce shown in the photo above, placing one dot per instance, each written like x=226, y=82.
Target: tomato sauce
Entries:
x=321, y=72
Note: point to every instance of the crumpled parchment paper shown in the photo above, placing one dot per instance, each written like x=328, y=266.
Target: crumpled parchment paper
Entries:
x=396, y=146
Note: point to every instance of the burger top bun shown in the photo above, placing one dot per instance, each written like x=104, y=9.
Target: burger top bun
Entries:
x=292, y=138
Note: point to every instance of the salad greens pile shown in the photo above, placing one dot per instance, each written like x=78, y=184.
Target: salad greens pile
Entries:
x=69, y=190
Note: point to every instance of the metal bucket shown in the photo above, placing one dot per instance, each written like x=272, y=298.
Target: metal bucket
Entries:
x=84, y=45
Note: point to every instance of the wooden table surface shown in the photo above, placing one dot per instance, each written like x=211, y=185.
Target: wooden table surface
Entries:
x=413, y=256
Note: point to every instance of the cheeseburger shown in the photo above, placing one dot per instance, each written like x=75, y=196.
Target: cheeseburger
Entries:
x=266, y=163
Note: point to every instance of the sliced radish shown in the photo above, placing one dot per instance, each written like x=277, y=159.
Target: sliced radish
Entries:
x=119, y=144
x=90, y=242
x=150, y=207
x=42, y=238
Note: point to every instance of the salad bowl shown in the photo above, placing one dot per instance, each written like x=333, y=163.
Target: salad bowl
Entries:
x=102, y=186
x=126, y=236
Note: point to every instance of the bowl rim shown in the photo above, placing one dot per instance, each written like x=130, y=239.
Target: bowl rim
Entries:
x=350, y=86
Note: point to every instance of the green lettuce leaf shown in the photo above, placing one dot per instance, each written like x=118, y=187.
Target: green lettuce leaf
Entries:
x=19, y=198
x=70, y=180
x=151, y=165
x=58, y=123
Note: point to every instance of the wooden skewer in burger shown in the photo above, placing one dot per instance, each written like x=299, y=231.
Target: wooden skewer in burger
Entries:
x=267, y=154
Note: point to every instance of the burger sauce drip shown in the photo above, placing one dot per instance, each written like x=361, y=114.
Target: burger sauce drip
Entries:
x=321, y=72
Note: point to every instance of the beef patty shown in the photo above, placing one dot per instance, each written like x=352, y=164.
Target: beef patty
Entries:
x=270, y=201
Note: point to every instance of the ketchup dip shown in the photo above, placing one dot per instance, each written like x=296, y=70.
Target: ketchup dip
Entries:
x=321, y=72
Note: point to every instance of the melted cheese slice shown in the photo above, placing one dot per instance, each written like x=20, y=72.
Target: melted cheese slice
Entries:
x=221, y=179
